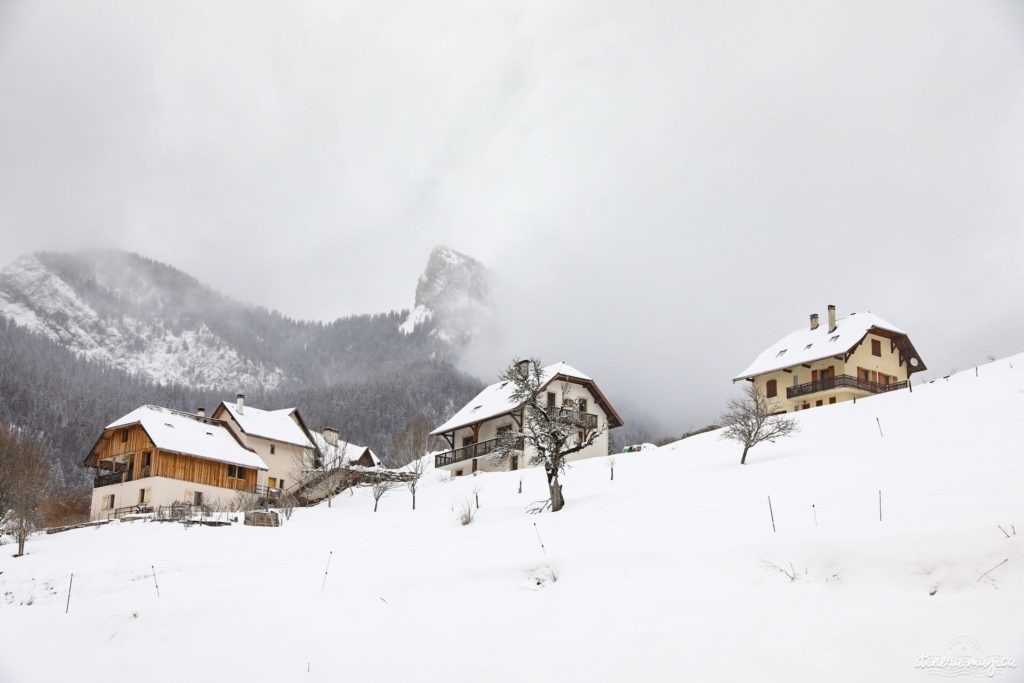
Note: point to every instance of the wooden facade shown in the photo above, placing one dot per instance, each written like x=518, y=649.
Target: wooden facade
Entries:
x=128, y=454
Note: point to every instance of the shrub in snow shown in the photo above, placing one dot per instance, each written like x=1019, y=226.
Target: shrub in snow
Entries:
x=466, y=513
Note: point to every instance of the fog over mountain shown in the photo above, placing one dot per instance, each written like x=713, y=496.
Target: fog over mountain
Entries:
x=660, y=191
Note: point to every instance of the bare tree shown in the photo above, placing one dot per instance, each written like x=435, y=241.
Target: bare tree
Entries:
x=466, y=513
x=411, y=450
x=379, y=488
x=552, y=433
x=24, y=483
x=753, y=419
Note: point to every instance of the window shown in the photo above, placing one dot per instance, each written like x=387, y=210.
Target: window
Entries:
x=551, y=399
x=142, y=496
x=272, y=449
x=808, y=346
x=876, y=347
x=474, y=464
x=582, y=405
x=197, y=498
x=834, y=338
x=147, y=459
x=581, y=435
x=818, y=403
x=805, y=406
x=124, y=436
x=771, y=388
x=458, y=473
x=780, y=353
x=515, y=463
x=108, y=502
x=236, y=472
x=831, y=400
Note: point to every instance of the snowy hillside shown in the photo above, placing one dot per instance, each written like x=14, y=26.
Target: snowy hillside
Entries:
x=671, y=572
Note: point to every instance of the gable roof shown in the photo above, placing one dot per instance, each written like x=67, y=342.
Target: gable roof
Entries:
x=276, y=425
x=806, y=345
x=188, y=434
x=342, y=449
x=496, y=399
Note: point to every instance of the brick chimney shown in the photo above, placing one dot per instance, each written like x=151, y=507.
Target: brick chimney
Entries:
x=831, y=318
x=814, y=321
x=201, y=412
x=331, y=435
x=240, y=403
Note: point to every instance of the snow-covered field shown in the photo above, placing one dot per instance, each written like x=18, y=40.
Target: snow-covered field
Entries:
x=658, y=575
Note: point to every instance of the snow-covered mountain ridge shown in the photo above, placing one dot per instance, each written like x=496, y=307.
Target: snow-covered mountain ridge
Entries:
x=151, y=320
x=35, y=297
x=675, y=570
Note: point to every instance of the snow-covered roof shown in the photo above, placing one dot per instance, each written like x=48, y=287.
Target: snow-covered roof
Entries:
x=806, y=345
x=342, y=449
x=497, y=400
x=178, y=432
x=277, y=425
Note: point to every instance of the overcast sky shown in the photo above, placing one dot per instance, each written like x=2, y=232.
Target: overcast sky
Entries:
x=662, y=189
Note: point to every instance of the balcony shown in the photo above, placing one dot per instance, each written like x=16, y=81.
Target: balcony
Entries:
x=843, y=381
x=471, y=451
x=111, y=478
x=587, y=421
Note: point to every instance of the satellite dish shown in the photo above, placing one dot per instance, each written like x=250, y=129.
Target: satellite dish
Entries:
x=914, y=362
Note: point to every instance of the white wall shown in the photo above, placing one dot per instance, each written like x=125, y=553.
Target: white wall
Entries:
x=160, y=491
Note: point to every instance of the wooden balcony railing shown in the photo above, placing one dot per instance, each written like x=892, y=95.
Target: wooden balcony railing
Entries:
x=474, y=450
x=587, y=421
x=840, y=381
x=111, y=478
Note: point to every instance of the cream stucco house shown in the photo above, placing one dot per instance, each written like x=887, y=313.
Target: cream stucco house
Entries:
x=847, y=358
x=280, y=437
x=472, y=433
x=157, y=456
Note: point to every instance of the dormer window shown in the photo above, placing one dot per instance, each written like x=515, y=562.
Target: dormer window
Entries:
x=808, y=346
x=834, y=338
x=781, y=353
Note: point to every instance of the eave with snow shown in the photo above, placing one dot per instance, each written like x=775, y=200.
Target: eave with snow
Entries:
x=473, y=432
x=839, y=360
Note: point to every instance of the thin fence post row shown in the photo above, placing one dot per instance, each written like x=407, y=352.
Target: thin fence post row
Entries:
x=70, y=581
x=545, y=551
x=326, y=569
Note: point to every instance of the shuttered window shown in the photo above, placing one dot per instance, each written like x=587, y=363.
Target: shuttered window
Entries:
x=876, y=347
x=771, y=388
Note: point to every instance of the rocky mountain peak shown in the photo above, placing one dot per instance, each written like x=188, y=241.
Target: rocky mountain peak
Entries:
x=453, y=293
